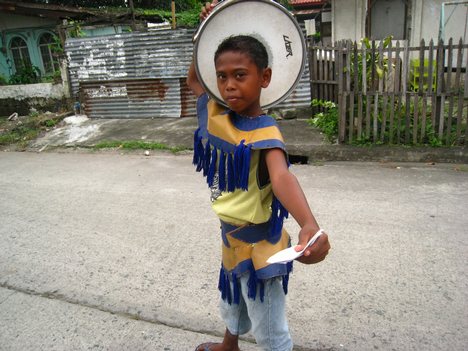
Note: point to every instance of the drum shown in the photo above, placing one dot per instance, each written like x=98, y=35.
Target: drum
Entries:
x=272, y=25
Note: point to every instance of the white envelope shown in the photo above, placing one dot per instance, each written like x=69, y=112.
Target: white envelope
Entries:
x=289, y=254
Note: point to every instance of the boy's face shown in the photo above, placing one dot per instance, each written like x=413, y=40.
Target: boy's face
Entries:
x=240, y=82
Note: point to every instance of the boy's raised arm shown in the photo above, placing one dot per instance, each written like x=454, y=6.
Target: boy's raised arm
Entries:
x=192, y=78
x=193, y=82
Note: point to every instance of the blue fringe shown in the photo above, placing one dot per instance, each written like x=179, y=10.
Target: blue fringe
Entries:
x=224, y=287
x=278, y=214
x=286, y=277
x=222, y=171
x=212, y=168
x=238, y=158
x=252, y=284
x=228, y=289
x=235, y=282
x=238, y=164
x=231, y=176
x=198, y=150
x=221, y=284
x=244, y=178
x=206, y=158
x=262, y=290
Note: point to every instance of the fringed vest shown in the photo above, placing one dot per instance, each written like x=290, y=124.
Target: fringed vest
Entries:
x=223, y=148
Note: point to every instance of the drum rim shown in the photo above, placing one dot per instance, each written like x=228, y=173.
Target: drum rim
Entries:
x=226, y=4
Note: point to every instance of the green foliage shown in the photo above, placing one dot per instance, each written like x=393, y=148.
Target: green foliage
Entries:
x=74, y=30
x=184, y=19
x=55, y=77
x=403, y=129
x=26, y=74
x=380, y=64
x=3, y=80
x=326, y=121
x=56, y=47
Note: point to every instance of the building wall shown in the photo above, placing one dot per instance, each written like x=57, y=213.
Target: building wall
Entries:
x=30, y=30
x=426, y=21
x=348, y=19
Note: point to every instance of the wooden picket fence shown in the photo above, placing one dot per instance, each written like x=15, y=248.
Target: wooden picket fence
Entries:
x=394, y=94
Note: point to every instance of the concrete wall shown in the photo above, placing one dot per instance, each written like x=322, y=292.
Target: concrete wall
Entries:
x=348, y=19
x=41, y=96
x=25, y=91
x=426, y=21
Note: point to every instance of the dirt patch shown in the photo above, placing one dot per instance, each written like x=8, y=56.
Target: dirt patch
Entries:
x=17, y=131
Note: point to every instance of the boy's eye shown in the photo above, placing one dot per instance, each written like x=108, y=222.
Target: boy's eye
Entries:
x=220, y=76
x=240, y=75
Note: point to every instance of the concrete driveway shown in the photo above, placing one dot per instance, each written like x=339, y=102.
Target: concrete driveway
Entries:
x=111, y=251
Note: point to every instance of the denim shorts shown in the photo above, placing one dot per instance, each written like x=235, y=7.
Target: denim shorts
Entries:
x=266, y=319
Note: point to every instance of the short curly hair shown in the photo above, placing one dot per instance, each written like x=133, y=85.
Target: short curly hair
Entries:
x=247, y=45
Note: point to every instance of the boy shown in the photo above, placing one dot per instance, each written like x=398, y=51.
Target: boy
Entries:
x=241, y=152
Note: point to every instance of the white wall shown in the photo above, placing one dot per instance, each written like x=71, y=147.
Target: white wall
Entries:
x=428, y=28
x=39, y=90
x=348, y=19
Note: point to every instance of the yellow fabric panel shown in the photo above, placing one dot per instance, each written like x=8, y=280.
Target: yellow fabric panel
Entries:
x=220, y=126
x=258, y=252
x=240, y=207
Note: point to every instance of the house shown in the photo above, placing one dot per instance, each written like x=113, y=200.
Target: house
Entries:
x=29, y=32
x=32, y=38
x=316, y=15
x=411, y=20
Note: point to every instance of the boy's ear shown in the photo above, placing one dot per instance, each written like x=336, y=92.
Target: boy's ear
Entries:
x=266, y=77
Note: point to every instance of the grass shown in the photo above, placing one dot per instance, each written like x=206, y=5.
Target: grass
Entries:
x=137, y=145
x=26, y=128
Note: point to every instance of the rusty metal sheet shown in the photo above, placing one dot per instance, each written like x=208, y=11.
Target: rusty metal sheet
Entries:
x=141, y=98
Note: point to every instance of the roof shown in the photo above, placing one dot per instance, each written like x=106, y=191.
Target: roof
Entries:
x=44, y=10
x=302, y=3
x=59, y=12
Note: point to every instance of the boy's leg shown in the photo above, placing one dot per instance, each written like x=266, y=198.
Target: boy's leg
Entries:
x=237, y=323
x=230, y=343
x=269, y=323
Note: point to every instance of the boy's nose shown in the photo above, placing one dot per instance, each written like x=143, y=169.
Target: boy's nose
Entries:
x=230, y=84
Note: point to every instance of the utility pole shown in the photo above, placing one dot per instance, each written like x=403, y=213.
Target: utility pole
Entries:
x=173, y=14
x=132, y=13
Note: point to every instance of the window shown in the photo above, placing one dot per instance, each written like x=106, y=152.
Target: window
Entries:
x=20, y=53
x=49, y=62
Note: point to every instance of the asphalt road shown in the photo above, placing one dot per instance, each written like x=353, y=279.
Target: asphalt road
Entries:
x=109, y=251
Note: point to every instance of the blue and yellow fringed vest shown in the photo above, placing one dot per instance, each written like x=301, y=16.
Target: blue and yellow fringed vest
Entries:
x=226, y=149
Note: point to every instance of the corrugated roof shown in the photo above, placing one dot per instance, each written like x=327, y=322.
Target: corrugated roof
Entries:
x=306, y=2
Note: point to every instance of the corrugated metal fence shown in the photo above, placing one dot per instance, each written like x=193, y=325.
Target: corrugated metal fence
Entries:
x=142, y=75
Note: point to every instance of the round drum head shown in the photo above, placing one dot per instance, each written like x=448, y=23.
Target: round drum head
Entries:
x=266, y=21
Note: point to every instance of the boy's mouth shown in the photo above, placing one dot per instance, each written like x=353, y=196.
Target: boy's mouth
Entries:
x=232, y=99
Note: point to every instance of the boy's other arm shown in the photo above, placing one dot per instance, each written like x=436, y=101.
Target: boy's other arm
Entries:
x=288, y=191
